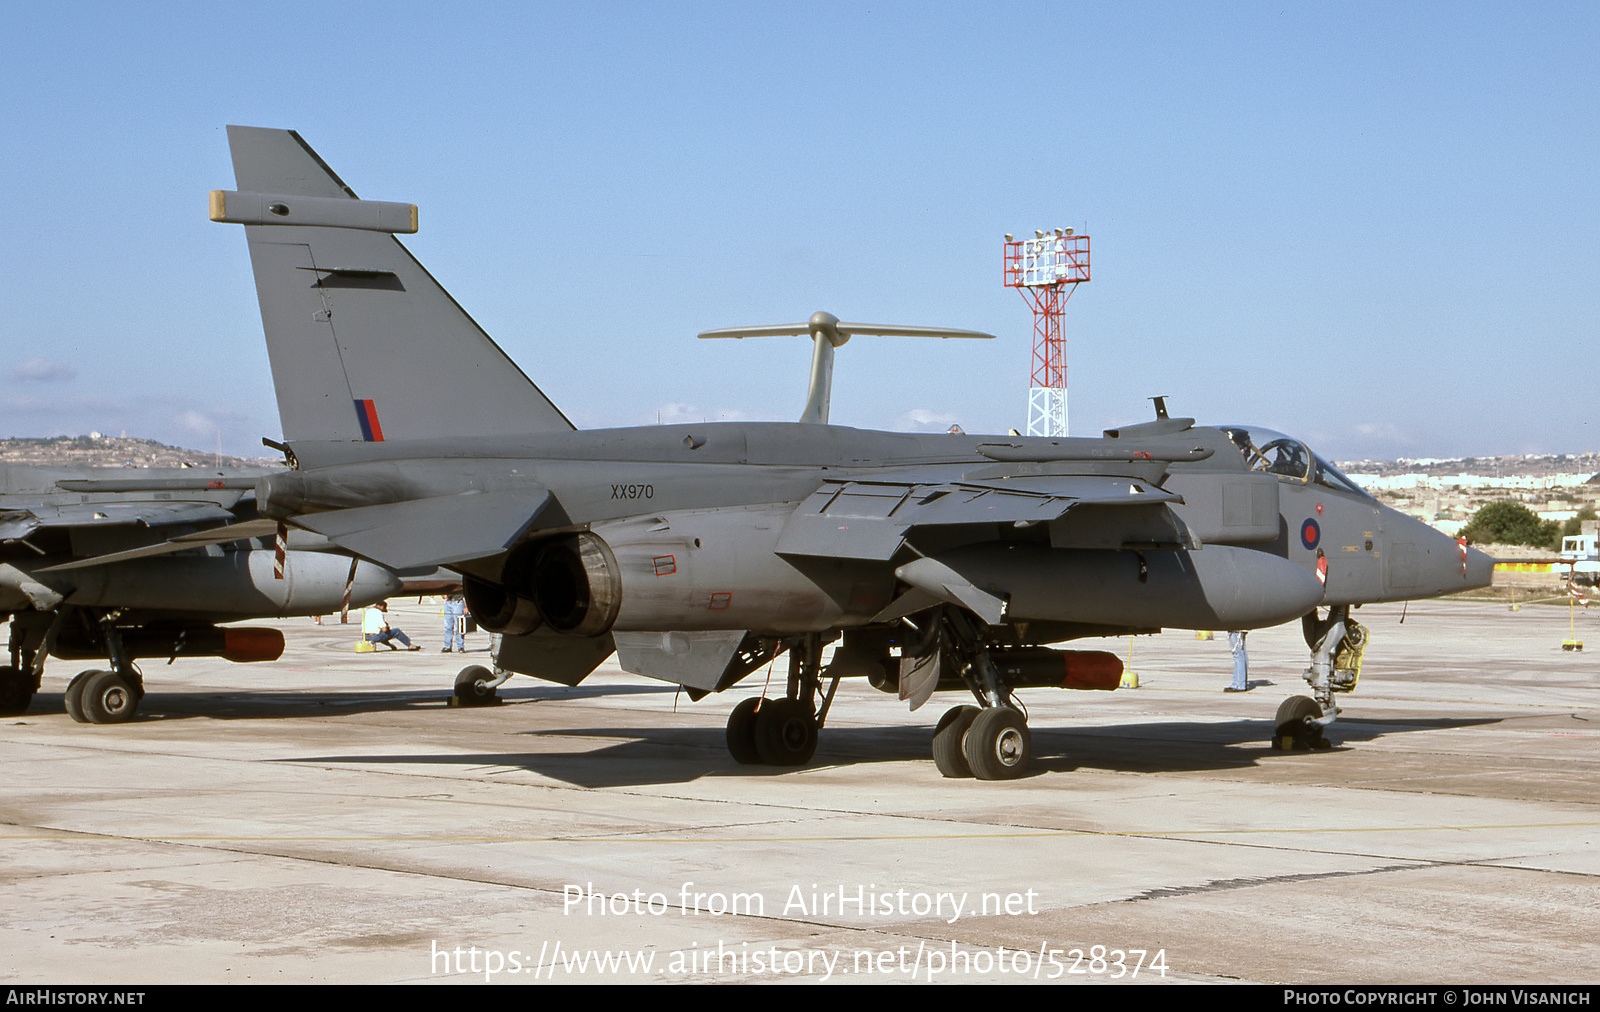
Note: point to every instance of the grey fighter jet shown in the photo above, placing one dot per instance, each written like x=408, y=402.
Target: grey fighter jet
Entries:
x=88, y=569
x=698, y=553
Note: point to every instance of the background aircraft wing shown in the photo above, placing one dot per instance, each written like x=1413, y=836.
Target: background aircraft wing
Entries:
x=19, y=523
x=242, y=531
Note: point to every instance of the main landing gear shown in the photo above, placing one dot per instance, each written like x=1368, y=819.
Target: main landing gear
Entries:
x=17, y=687
x=19, y=680
x=1337, y=645
x=990, y=741
x=990, y=744
x=96, y=696
x=783, y=732
x=104, y=697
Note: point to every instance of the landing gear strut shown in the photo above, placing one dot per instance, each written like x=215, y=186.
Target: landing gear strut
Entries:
x=19, y=680
x=107, y=697
x=991, y=741
x=16, y=690
x=1337, y=644
x=783, y=732
x=96, y=696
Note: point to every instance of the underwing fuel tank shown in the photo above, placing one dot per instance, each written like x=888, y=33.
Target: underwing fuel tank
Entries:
x=1059, y=669
x=1038, y=668
x=1218, y=587
x=240, y=583
x=239, y=645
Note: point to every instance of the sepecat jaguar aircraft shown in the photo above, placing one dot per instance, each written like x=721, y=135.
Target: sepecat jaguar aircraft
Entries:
x=699, y=553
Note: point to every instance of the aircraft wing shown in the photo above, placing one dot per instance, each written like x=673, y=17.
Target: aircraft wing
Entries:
x=19, y=523
x=871, y=519
x=432, y=532
x=241, y=531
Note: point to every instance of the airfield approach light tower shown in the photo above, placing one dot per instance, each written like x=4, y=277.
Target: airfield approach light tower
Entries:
x=1047, y=269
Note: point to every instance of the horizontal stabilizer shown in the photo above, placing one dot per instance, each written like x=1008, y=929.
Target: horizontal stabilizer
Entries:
x=234, y=207
x=839, y=332
x=829, y=333
x=432, y=532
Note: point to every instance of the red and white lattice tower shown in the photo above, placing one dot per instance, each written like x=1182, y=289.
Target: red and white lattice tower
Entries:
x=1047, y=269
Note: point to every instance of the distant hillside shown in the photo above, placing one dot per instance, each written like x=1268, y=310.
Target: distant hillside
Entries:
x=1508, y=465
x=95, y=450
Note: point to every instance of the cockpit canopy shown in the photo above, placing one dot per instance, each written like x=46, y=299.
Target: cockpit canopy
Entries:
x=1287, y=458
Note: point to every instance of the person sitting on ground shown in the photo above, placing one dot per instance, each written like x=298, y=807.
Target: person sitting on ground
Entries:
x=375, y=628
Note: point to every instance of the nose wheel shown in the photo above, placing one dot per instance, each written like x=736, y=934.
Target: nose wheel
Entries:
x=1296, y=727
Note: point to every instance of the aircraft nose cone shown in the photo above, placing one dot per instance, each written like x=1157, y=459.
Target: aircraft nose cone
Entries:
x=1479, y=569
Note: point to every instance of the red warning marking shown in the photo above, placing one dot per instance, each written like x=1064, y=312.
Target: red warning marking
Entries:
x=666, y=565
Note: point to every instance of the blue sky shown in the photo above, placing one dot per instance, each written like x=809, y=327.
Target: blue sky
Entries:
x=1370, y=225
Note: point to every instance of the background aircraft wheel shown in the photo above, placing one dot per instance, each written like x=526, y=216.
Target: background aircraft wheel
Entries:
x=73, y=698
x=16, y=691
x=473, y=688
x=948, y=738
x=108, y=698
x=786, y=732
x=998, y=745
x=742, y=732
x=1293, y=719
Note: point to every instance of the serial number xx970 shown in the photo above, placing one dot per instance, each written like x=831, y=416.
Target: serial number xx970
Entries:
x=633, y=492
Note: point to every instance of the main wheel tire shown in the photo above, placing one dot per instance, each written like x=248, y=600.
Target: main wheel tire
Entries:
x=998, y=745
x=108, y=698
x=786, y=732
x=473, y=688
x=1293, y=721
x=16, y=691
x=948, y=738
x=742, y=732
x=72, y=699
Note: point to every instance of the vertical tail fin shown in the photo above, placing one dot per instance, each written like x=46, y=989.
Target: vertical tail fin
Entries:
x=365, y=345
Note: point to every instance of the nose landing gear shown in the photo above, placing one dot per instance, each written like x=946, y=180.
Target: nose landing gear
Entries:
x=1337, y=644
